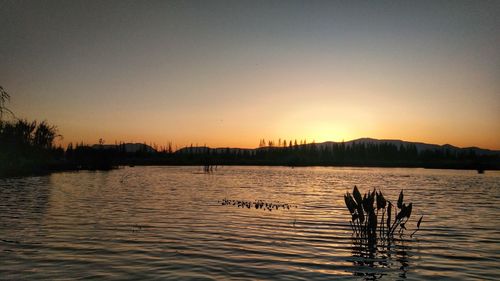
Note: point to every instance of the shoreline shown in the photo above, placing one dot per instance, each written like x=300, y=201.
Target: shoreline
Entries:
x=42, y=171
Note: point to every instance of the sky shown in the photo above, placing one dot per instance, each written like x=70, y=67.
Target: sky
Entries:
x=229, y=73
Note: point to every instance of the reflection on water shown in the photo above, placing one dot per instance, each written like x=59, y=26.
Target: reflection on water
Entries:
x=169, y=223
x=371, y=261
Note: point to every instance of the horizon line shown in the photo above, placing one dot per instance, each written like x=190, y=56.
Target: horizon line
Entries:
x=299, y=143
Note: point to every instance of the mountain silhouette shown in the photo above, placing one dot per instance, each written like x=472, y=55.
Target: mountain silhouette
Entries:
x=420, y=147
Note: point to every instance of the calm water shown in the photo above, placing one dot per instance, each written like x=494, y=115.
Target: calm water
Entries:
x=168, y=223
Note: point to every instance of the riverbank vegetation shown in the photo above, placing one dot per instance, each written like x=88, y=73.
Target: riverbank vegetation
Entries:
x=27, y=147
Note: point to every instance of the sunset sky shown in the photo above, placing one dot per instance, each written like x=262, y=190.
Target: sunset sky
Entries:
x=228, y=73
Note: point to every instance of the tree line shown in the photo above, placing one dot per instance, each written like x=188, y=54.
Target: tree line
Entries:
x=341, y=154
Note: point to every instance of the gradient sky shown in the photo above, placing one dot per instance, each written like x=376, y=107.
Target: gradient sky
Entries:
x=228, y=73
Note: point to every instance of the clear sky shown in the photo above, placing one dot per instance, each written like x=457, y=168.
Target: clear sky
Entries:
x=228, y=73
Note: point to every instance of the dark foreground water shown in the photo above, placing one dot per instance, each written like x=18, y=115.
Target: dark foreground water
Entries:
x=168, y=223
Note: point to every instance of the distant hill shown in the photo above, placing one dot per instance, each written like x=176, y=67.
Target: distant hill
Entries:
x=363, y=152
x=420, y=146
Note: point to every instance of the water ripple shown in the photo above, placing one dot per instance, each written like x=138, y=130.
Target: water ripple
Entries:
x=168, y=223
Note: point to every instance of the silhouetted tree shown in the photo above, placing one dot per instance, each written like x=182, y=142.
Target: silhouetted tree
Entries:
x=45, y=135
x=4, y=98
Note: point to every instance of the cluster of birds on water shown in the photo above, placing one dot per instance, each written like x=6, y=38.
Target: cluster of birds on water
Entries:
x=258, y=204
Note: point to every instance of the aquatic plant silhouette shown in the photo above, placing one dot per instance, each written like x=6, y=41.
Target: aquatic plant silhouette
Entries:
x=257, y=204
x=208, y=169
x=365, y=211
x=378, y=229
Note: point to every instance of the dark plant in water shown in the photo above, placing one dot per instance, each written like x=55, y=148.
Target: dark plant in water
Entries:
x=378, y=228
x=258, y=204
x=209, y=168
x=367, y=209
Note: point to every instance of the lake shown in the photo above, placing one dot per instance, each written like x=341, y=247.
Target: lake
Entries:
x=169, y=223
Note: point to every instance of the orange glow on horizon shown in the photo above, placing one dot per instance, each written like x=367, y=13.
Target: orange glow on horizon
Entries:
x=254, y=142
x=231, y=74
